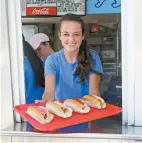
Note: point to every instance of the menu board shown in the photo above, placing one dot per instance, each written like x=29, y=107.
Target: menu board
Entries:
x=52, y=7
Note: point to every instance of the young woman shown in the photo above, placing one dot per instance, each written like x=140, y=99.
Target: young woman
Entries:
x=75, y=70
x=34, y=66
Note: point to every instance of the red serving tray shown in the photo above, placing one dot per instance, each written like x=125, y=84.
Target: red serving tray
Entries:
x=76, y=118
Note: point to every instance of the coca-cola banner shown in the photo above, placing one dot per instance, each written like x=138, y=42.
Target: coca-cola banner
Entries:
x=52, y=7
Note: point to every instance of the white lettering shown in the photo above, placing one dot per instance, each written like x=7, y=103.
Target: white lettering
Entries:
x=42, y=11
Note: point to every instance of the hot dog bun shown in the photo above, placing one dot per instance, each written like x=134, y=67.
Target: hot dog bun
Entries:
x=59, y=109
x=40, y=114
x=77, y=106
x=94, y=101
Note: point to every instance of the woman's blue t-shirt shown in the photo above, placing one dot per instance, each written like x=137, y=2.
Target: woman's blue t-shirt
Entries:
x=67, y=85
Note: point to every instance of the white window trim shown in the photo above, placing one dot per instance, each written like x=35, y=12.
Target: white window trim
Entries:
x=138, y=64
x=131, y=62
x=127, y=61
x=16, y=52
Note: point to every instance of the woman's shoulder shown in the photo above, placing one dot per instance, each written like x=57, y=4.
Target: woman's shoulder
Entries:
x=94, y=54
x=52, y=62
x=55, y=56
x=26, y=61
x=27, y=65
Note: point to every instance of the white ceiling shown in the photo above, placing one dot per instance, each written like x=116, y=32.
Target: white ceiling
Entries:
x=95, y=18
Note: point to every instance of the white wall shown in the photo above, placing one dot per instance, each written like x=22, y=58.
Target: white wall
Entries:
x=131, y=62
x=6, y=90
x=63, y=140
x=138, y=63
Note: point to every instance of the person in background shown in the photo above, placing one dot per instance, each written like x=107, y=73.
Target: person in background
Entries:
x=35, y=54
x=75, y=70
x=42, y=45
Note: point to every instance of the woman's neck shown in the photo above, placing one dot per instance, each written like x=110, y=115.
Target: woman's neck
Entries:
x=71, y=57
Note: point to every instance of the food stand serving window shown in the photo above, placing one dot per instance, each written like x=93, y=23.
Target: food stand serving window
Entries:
x=129, y=61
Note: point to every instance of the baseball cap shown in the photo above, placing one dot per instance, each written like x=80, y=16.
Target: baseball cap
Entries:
x=37, y=39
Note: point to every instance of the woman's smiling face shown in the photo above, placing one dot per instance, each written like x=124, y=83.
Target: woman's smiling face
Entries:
x=71, y=35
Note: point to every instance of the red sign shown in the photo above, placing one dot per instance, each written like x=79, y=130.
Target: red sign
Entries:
x=52, y=7
x=35, y=11
x=94, y=28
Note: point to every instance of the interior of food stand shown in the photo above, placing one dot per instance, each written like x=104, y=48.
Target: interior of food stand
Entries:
x=103, y=34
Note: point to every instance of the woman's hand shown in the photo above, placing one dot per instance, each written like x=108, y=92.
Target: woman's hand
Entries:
x=39, y=101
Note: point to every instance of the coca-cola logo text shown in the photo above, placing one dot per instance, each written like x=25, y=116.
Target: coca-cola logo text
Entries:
x=42, y=11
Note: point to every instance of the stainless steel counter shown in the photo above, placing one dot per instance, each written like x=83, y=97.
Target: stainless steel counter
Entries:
x=107, y=128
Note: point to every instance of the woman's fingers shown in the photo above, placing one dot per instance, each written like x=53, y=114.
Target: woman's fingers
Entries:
x=39, y=101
